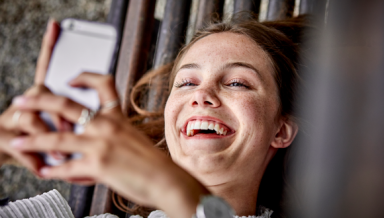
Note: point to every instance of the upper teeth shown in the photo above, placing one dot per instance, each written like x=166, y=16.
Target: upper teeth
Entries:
x=205, y=125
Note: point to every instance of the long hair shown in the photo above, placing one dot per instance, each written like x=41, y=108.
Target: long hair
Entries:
x=280, y=40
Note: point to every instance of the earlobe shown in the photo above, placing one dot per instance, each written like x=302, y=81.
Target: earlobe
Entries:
x=285, y=134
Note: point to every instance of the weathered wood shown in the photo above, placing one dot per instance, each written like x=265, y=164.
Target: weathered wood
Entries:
x=172, y=31
x=280, y=9
x=80, y=200
x=134, y=47
x=116, y=17
x=207, y=10
x=101, y=201
x=247, y=5
x=171, y=39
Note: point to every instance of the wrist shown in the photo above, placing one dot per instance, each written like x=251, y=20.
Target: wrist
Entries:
x=180, y=194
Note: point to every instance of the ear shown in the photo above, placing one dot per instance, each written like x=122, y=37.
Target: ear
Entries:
x=285, y=134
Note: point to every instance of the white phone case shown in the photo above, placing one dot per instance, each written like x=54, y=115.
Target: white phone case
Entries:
x=82, y=46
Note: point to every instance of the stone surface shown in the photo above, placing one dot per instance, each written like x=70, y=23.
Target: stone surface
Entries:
x=22, y=24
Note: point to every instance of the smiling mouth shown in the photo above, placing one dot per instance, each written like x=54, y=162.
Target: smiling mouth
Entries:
x=206, y=127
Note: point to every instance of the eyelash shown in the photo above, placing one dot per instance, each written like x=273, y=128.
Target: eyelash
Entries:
x=240, y=84
x=186, y=82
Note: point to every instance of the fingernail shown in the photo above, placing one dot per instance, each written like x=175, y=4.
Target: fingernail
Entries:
x=44, y=171
x=17, y=142
x=19, y=100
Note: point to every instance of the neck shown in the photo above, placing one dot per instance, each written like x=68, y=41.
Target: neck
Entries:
x=241, y=195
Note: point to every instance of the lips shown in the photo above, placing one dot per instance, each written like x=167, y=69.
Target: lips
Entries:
x=206, y=126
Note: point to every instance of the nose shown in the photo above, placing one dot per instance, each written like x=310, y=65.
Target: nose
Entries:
x=205, y=97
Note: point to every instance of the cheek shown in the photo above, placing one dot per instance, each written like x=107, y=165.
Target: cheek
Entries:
x=256, y=111
x=172, y=111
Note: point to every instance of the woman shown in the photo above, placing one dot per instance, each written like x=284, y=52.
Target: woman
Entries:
x=228, y=113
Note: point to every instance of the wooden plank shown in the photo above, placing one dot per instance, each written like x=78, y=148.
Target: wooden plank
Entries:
x=134, y=48
x=208, y=9
x=101, y=201
x=116, y=17
x=172, y=31
x=80, y=200
x=280, y=9
x=171, y=38
x=247, y=5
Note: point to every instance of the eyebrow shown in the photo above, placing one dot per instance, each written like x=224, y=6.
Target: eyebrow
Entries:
x=223, y=67
x=240, y=64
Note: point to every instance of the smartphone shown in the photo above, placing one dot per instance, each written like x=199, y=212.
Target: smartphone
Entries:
x=82, y=46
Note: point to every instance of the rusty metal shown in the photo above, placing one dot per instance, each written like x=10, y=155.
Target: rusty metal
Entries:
x=80, y=199
x=247, y=5
x=172, y=31
x=340, y=159
x=280, y=9
x=134, y=47
x=208, y=10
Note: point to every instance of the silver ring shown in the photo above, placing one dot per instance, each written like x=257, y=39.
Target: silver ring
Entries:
x=110, y=105
x=16, y=117
x=86, y=116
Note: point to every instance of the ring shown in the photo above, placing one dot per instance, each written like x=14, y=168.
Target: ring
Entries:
x=16, y=117
x=86, y=116
x=110, y=105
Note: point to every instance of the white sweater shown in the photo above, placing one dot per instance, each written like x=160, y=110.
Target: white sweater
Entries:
x=53, y=205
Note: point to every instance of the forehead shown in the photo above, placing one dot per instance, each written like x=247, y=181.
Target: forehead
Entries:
x=227, y=47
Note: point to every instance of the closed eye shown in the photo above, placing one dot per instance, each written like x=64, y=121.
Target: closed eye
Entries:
x=237, y=83
x=184, y=82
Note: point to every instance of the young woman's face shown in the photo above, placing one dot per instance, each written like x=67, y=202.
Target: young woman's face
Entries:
x=220, y=118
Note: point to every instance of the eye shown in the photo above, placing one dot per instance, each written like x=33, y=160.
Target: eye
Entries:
x=237, y=83
x=184, y=82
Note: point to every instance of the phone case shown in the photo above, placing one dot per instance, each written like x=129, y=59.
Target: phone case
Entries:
x=82, y=46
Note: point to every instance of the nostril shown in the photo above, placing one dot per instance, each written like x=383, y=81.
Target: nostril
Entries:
x=207, y=102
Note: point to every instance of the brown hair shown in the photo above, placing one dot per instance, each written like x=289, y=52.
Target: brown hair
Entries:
x=280, y=40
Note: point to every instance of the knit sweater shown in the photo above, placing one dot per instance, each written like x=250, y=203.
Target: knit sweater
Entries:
x=53, y=205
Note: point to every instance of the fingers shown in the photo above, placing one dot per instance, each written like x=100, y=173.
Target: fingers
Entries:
x=36, y=90
x=105, y=87
x=65, y=142
x=60, y=105
x=48, y=43
x=31, y=161
x=73, y=170
x=30, y=123
x=60, y=123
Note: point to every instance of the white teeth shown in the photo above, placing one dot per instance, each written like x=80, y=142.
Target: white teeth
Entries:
x=189, y=129
x=197, y=124
x=217, y=128
x=204, y=125
x=211, y=125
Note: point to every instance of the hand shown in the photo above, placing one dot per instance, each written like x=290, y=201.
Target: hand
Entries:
x=14, y=123
x=113, y=152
